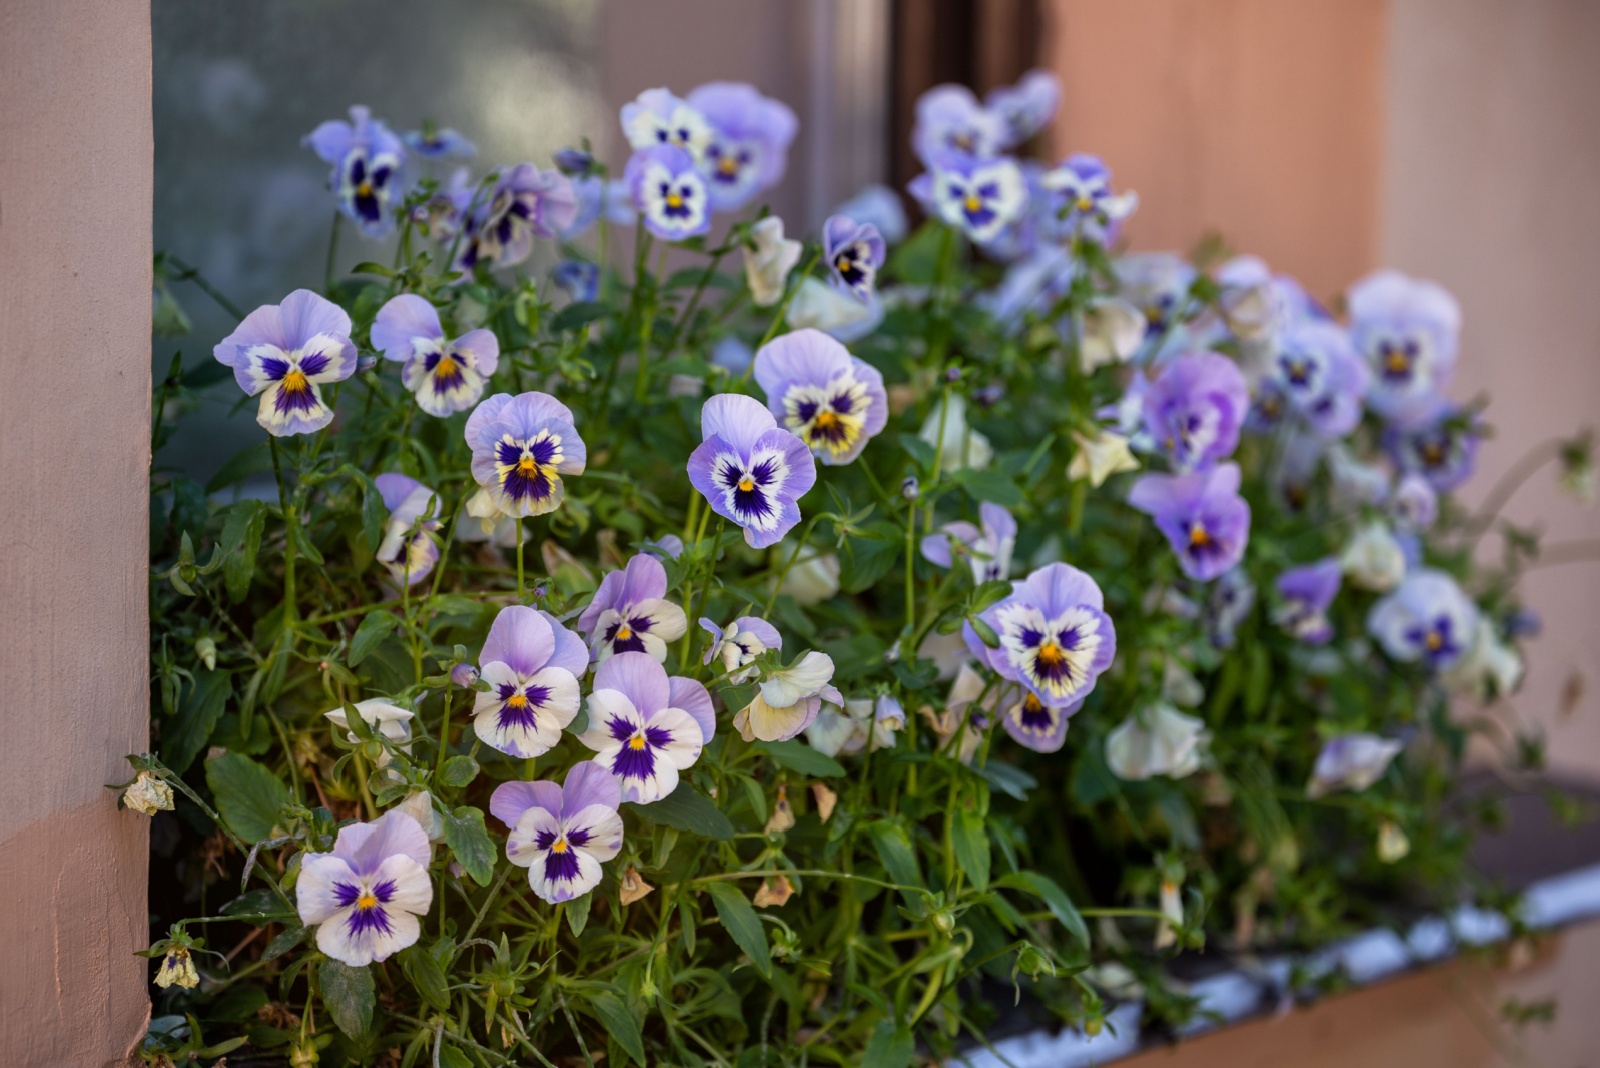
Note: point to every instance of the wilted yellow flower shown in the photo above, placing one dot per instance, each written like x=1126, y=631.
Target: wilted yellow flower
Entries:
x=148, y=794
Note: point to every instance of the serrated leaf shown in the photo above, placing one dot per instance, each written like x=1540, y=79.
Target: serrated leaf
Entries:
x=459, y=771
x=867, y=560
x=688, y=809
x=797, y=756
x=348, y=994
x=742, y=924
x=469, y=841
x=970, y=840
x=619, y=1023
x=1054, y=898
x=426, y=974
x=198, y=714
x=248, y=796
x=241, y=541
x=375, y=627
x=889, y=1046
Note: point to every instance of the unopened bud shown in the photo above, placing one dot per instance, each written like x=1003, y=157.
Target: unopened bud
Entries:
x=464, y=675
x=910, y=488
x=206, y=649
x=365, y=362
x=573, y=161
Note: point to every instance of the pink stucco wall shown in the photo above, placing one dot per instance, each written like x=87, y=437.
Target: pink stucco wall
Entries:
x=75, y=195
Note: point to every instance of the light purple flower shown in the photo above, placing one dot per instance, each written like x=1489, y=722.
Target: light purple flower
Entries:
x=440, y=143
x=1194, y=409
x=599, y=198
x=1027, y=107
x=745, y=639
x=1415, y=504
x=561, y=833
x=1408, y=330
x=831, y=400
x=644, y=727
x=285, y=352
x=666, y=547
x=1437, y=440
x=629, y=615
x=447, y=376
x=1351, y=762
x=749, y=470
x=978, y=195
x=464, y=675
x=1320, y=376
x=366, y=895
x=1157, y=283
x=525, y=203
x=1426, y=618
x=443, y=214
x=658, y=117
x=854, y=252
x=1204, y=518
x=1306, y=593
x=1055, y=637
x=1082, y=200
x=877, y=206
x=579, y=278
x=521, y=446
x=1228, y=606
x=532, y=665
x=950, y=120
x=987, y=550
x=669, y=192
x=749, y=146
x=1030, y=721
x=408, y=553
x=368, y=162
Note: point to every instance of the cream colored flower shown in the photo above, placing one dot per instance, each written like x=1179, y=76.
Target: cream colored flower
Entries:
x=1099, y=457
x=814, y=577
x=767, y=265
x=1171, y=912
x=1109, y=331
x=1374, y=559
x=148, y=794
x=961, y=446
x=1167, y=742
x=1393, y=845
x=177, y=969
x=1490, y=666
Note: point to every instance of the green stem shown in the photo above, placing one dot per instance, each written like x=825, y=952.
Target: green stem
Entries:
x=520, y=539
x=805, y=535
x=694, y=298
x=911, y=580
x=783, y=307
x=333, y=253
x=188, y=273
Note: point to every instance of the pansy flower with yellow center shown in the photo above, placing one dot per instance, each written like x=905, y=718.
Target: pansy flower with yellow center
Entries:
x=749, y=470
x=1202, y=515
x=1436, y=439
x=749, y=144
x=854, y=252
x=286, y=353
x=1082, y=200
x=368, y=161
x=669, y=192
x=659, y=117
x=645, y=727
x=446, y=376
x=562, y=833
x=979, y=196
x=532, y=665
x=1427, y=618
x=1055, y=637
x=524, y=203
x=1319, y=376
x=1194, y=409
x=366, y=895
x=951, y=120
x=629, y=612
x=1408, y=329
x=521, y=448
x=408, y=549
x=829, y=399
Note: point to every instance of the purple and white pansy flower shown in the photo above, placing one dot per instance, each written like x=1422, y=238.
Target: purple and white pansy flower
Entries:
x=1055, y=637
x=525, y=203
x=951, y=121
x=521, y=446
x=1194, y=409
x=1427, y=618
x=1026, y=107
x=669, y=191
x=829, y=399
x=980, y=196
x=659, y=117
x=854, y=252
x=788, y=700
x=435, y=142
x=1202, y=515
x=532, y=665
x=1305, y=593
x=561, y=833
x=1319, y=376
x=286, y=352
x=1083, y=199
x=365, y=896
x=749, y=146
x=1436, y=439
x=750, y=470
x=1408, y=330
x=987, y=549
x=408, y=549
x=645, y=727
x=1157, y=283
x=630, y=615
x=368, y=161
x=1351, y=762
x=737, y=647
x=446, y=375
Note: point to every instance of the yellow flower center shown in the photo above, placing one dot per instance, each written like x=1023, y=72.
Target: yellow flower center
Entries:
x=843, y=263
x=1198, y=536
x=825, y=420
x=1051, y=655
x=674, y=200
x=1032, y=704
x=624, y=632
x=1084, y=203
x=295, y=381
x=1434, y=642
x=364, y=189
x=1397, y=361
x=972, y=203
x=1433, y=454
x=517, y=700
x=445, y=367
x=746, y=484
x=728, y=165
x=636, y=742
x=559, y=846
x=527, y=467
x=367, y=900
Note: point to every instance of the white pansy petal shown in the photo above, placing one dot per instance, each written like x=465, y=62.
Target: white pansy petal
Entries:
x=808, y=675
x=316, y=891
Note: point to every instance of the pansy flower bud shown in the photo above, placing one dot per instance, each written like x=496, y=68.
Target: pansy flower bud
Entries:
x=464, y=675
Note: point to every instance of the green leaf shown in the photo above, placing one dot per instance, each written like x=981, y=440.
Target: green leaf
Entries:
x=971, y=842
x=989, y=593
x=374, y=514
x=450, y=1057
x=619, y=1023
x=797, y=756
x=459, y=771
x=867, y=559
x=375, y=626
x=191, y=728
x=469, y=841
x=1008, y=779
x=348, y=993
x=889, y=1047
x=241, y=466
x=284, y=941
x=990, y=486
x=581, y=314
x=241, y=541
x=920, y=451
x=425, y=973
x=577, y=913
x=688, y=809
x=895, y=853
x=248, y=795
x=1055, y=899
x=303, y=545
x=742, y=924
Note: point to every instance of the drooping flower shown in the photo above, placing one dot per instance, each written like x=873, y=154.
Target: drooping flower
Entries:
x=408, y=553
x=951, y=121
x=788, y=700
x=1393, y=844
x=1194, y=409
x=1415, y=504
x=879, y=207
x=286, y=352
x=959, y=446
x=1426, y=618
x=435, y=142
x=1202, y=515
x=1110, y=330
x=1026, y=107
x=1351, y=762
x=579, y=278
x=768, y=261
x=1408, y=329
x=148, y=794
x=177, y=967
x=829, y=399
x=669, y=192
x=1491, y=666
x=1253, y=305
x=368, y=162
x=977, y=195
x=748, y=150
x=1306, y=593
x=447, y=376
x=629, y=614
x=972, y=700
x=1356, y=482
x=987, y=550
x=750, y=470
x=1055, y=637
x=818, y=305
x=1437, y=440
x=644, y=727
x=561, y=833
x=525, y=203
x=1084, y=203
x=658, y=117
x=532, y=665
x=1099, y=457
x=854, y=252
x=860, y=723
x=366, y=895
x=1157, y=283
x=666, y=547
x=521, y=446
x=1374, y=559
x=1320, y=376
x=384, y=717
x=737, y=647
x=1159, y=741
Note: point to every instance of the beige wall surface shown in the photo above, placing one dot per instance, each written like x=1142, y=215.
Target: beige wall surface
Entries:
x=75, y=195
